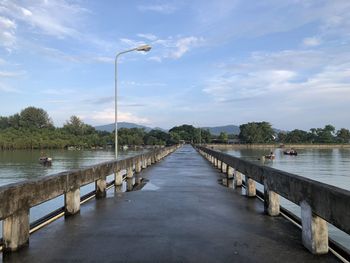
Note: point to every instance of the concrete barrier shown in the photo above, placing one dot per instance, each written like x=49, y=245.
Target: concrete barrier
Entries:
x=17, y=199
x=320, y=203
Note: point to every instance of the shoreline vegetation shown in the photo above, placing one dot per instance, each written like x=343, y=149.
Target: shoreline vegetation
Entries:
x=282, y=146
x=32, y=128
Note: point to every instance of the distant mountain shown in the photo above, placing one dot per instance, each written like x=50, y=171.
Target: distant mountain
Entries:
x=128, y=125
x=229, y=129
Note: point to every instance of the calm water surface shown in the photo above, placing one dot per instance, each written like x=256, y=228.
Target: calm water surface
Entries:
x=20, y=165
x=330, y=166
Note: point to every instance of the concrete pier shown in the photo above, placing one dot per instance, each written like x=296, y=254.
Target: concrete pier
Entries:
x=181, y=215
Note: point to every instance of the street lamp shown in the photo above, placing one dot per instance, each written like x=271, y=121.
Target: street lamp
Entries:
x=144, y=48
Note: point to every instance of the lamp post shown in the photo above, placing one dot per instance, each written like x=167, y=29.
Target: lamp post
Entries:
x=144, y=48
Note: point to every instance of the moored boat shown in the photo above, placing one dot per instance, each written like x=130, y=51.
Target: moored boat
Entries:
x=45, y=160
x=290, y=152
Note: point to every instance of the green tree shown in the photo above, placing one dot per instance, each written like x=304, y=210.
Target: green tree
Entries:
x=77, y=127
x=325, y=135
x=4, y=122
x=32, y=117
x=297, y=136
x=343, y=135
x=14, y=121
x=223, y=137
x=256, y=132
x=205, y=136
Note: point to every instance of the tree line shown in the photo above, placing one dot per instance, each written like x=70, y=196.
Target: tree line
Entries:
x=262, y=132
x=33, y=128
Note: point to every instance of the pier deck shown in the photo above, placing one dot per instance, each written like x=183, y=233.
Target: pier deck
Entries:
x=182, y=215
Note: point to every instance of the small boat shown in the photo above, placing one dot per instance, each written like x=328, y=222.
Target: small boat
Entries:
x=290, y=152
x=45, y=160
x=270, y=156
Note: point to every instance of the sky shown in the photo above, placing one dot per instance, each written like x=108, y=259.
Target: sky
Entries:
x=212, y=62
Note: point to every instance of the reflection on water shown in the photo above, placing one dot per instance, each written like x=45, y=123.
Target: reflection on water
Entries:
x=330, y=166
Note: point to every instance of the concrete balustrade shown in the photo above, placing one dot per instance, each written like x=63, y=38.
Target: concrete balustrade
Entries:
x=250, y=187
x=118, y=178
x=17, y=199
x=72, y=202
x=219, y=164
x=271, y=201
x=100, y=186
x=320, y=203
x=16, y=230
x=129, y=172
x=314, y=230
x=223, y=167
x=237, y=181
x=230, y=172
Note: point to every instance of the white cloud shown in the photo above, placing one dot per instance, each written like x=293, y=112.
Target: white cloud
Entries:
x=183, y=45
x=55, y=17
x=143, y=84
x=11, y=74
x=55, y=92
x=311, y=41
x=104, y=59
x=7, y=33
x=150, y=37
x=287, y=73
x=7, y=89
x=159, y=8
x=171, y=47
x=107, y=116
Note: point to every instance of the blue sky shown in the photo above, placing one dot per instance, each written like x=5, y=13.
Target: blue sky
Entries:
x=212, y=62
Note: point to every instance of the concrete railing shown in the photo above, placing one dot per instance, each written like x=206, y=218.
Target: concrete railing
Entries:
x=17, y=199
x=320, y=203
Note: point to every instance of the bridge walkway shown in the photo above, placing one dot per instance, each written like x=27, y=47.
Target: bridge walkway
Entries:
x=182, y=215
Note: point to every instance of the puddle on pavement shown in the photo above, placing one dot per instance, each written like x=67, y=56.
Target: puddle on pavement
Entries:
x=135, y=184
x=150, y=187
x=229, y=183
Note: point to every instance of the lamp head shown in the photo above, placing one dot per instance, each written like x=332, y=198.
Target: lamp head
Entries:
x=144, y=48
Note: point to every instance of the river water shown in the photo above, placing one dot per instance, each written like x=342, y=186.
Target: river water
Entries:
x=20, y=165
x=330, y=166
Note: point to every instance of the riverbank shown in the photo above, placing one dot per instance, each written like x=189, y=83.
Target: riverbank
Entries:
x=269, y=146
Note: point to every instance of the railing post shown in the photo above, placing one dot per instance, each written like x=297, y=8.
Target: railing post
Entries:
x=229, y=171
x=219, y=165
x=144, y=162
x=250, y=187
x=314, y=230
x=223, y=167
x=271, y=201
x=129, y=171
x=72, y=202
x=138, y=165
x=237, y=178
x=118, y=178
x=16, y=230
x=100, y=186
